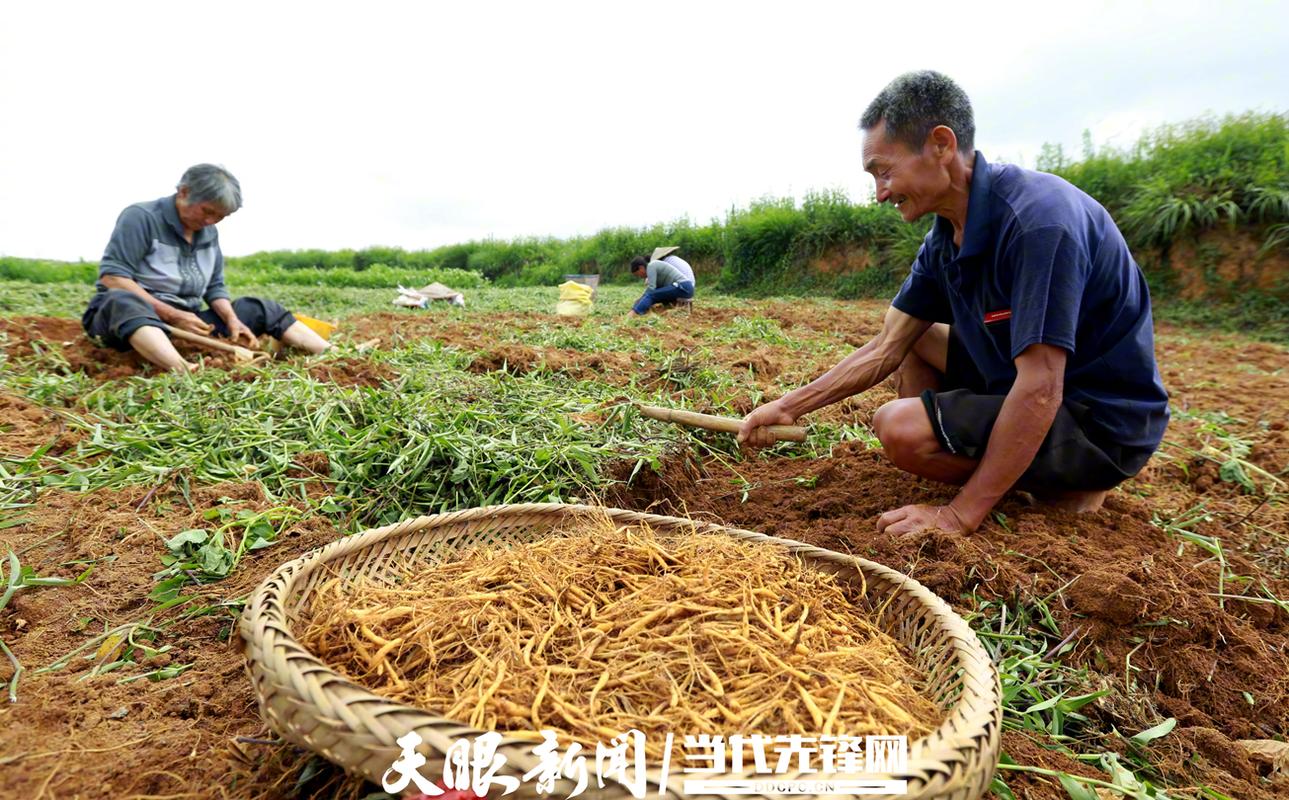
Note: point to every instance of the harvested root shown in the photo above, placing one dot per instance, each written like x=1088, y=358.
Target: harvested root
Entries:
x=596, y=630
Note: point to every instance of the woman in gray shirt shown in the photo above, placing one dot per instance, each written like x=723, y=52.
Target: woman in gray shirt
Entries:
x=163, y=261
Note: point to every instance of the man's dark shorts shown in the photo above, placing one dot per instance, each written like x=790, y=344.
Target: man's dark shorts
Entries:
x=1075, y=456
x=113, y=316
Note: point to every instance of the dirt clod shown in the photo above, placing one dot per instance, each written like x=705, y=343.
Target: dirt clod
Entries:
x=1108, y=595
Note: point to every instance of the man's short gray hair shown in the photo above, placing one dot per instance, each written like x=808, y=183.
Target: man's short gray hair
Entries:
x=915, y=103
x=211, y=183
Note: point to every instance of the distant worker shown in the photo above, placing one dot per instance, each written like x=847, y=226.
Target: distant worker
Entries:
x=667, y=277
x=1021, y=342
x=163, y=261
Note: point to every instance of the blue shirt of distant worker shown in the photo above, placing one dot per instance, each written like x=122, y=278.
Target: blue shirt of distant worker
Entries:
x=668, y=278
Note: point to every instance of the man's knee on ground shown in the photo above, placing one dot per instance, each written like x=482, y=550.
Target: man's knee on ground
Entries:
x=905, y=432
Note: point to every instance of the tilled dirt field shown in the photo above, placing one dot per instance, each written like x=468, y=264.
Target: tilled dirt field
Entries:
x=1139, y=606
x=1127, y=592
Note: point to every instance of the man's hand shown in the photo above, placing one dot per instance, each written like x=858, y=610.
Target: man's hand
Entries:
x=753, y=430
x=919, y=517
x=238, y=333
x=187, y=321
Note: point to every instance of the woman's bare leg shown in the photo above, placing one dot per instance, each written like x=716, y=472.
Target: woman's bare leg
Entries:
x=154, y=345
x=302, y=337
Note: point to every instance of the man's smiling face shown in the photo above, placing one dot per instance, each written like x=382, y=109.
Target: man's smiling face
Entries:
x=913, y=181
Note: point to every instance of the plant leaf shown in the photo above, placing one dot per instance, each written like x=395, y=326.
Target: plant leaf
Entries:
x=1075, y=789
x=191, y=536
x=1153, y=733
x=1043, y=706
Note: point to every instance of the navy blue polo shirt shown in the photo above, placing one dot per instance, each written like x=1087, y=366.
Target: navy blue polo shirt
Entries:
x=1042, y=262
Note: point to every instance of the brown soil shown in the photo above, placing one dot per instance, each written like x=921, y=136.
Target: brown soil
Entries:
x=1129, y=591
x=1025, y=750
x=520, y=359
x=1132, y=595
x=1221, y=260
x=353, y=372
x=27, y=337
x=843, y=259
x=841, y=321
x=311, y=465
x=30, y=337
x=69, y=736
x=396, y=329
x=26, y=427
x=500, y=343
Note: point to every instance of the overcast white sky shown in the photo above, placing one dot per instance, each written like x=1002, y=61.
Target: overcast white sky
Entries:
x=422, y=124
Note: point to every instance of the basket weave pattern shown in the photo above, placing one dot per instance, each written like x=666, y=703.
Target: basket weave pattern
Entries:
x=310, y=704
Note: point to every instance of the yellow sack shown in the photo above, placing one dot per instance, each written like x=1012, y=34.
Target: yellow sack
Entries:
x=574, y=299
x=323, y=329
x=572, y=308
x=572, y=290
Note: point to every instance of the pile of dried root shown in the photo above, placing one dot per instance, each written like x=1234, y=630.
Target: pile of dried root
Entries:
x=596, y=630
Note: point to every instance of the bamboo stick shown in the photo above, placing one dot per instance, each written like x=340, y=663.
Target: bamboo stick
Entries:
x=786, y=433
x=239, y=353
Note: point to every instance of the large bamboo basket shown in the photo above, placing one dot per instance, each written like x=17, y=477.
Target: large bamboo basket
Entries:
x=309, y=704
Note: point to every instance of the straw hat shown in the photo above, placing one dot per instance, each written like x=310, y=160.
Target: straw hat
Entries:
x=662, y=252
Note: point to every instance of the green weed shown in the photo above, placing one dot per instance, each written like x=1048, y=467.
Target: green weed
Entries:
x=19, y=577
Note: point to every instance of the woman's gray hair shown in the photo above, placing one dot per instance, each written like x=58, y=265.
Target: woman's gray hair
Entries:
x=211, y=183
x=913, y=104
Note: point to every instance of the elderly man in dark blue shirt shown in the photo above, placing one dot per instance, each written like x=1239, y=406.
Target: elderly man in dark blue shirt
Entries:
x=1021, y=341
x=163, y=261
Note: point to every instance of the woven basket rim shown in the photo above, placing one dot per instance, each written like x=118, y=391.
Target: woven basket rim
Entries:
x=969, y=732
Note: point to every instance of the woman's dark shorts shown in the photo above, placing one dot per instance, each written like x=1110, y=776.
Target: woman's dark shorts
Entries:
x=1075, y=456
x=114, y=315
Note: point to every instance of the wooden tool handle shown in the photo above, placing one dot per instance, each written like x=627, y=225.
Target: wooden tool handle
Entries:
x=215, y=344
x=786, y=433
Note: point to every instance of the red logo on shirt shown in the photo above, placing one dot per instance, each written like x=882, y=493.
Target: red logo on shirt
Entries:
x=997, y=316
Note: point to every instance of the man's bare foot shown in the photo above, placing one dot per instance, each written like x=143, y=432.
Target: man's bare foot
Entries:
x=1078, y=502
